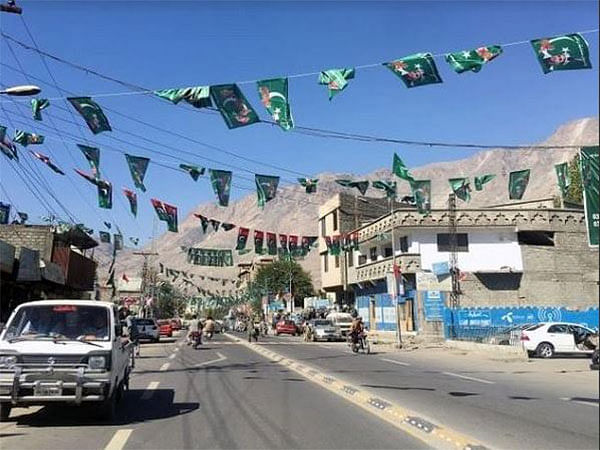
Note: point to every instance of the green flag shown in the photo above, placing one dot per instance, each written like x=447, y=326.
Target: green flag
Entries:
x=567, y=52
x=266, y=188
x=92, y=113
x=415, y=70
x=104, y=237
x=274, y=96
x=362, y=186
x=7, y=146
x=400, y=170
x=104, y=194
x=37, y=104
x=132, y=198
x=336, y=80
x=92, y=154
x=473, y=60
x=310, y=184
x=233, y=106
x=198, y=96
x=333, y=245
x=137, y=166
x=562, y=174
x=421, y=190
x=259, y=238
x=461, y=188
x=25, y=139
x=227, y=226
x=388, y=186
x=194, y=171
x=517, y=183
x=483, y=179
x=590, y=178
x=221, y=183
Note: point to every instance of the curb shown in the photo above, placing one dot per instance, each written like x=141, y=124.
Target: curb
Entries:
x=491, y=351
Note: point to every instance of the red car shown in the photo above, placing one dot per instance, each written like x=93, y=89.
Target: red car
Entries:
x=286, y=327
x=165, y=328
x=176, y=324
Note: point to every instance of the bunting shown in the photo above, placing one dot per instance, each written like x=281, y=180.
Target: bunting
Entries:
x=118, y=241
x=259, y=238
x=283, y=243
x=194, y=171
x=166, y=213
x=7, y=146
x=215, y=224
x=233, y=106
x=210, y=257
x=91, y=113
x=271, y=243
x=473, y=60
x=221, y=183
x=135, y=241
x=483, y=179
x=461, y=188
x=24, y=138
x=198, y=96
x=421, y=191
x=132, y=198
x=274, y=96
x=104, y=194
x=293, y=244
x=266, y=188
x=4, y=213
x=415, y=70
x=46, y=160
x=137, y=166
x=310, y=184
x=400, y=170
x=308, y=242
x=517, y=184
x=108, y=225
x=92, y=154
x=562, y=175
x=389, y=187
x=227, y=226
x=362, y=186
x=203, y=222
x=37, y=105
x=242, y=238
x=336, y=80
x=104, y=237
x=567, y=52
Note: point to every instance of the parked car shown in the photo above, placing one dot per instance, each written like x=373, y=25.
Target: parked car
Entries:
x=176, y=324
x=322, y=329
x=286, y=327
x=148, y=329
x=547, y=339
x=165, y=328
x=342, y=321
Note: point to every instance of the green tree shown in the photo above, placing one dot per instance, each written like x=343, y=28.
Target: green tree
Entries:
x=575, y=189
x=170, y=301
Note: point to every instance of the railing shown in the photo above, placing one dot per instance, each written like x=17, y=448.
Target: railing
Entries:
x=484, y=335
x=408, y=262
x=79, y=271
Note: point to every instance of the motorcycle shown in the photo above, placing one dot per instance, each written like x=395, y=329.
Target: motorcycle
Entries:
x=360, y=342
x=196, y=339
x=208, y=335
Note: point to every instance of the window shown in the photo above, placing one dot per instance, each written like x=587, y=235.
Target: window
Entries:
x=544, y=238
x=404, y=244
x=462, y=242
x=350, y=258
x=373, y=253
x=323, y=228
x=362, y=259
x=334, y=216
x=325, y=263
x=337, y=261
x=387, y=252
x=558, y=329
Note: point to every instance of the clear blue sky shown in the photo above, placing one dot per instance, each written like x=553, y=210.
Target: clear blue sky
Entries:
x=167, y=44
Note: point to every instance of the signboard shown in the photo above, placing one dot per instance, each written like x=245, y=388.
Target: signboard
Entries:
x=590, y=178
x=433, y=305
x=276, y=306
x=440, y=268
x=428, y=281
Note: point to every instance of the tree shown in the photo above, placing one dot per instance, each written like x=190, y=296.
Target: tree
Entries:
x=170, y=301
x=277, y=278
x=575, y=189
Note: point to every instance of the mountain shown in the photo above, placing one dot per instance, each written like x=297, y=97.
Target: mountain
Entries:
x=295, y=212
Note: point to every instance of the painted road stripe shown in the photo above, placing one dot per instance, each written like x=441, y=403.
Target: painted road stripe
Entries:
x=581, y=402
x=464, y=377
x=172, y=356
x=176, y=349
x=119, y=439
x=393, y=361
x=206, y=363
x=149, y=392
x=164, y=367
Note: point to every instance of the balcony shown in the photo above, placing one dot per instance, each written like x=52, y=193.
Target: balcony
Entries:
x=79, y=271
x=409, y=263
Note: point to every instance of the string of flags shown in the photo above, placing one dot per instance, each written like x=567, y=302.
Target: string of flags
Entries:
x=175, y=273
x=341, y=242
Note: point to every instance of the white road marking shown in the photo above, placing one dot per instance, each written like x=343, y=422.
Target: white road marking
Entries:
x=464, y=377
x=568, y=399
x=176, y=349
x=164, y=367
x=393, y=361
x=172, y=356
x=324, y=346
x=205, y=363
x=149, y=390
x=119, y=439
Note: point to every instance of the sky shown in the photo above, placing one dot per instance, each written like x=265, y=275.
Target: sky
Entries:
x=177, y=44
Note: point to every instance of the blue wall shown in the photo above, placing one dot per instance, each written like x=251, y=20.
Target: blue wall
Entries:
x=385, y=311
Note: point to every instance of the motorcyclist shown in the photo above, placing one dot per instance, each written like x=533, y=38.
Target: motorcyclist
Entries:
x=252, y=330
x=194, y=331
x=356, y=329
x=209, y=327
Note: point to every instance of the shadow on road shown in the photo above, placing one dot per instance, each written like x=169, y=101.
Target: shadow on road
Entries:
x=399, y=388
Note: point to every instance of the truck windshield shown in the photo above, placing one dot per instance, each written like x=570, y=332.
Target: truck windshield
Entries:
x=89, y=323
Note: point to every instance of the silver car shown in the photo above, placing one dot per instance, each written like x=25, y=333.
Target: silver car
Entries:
x=323, y=329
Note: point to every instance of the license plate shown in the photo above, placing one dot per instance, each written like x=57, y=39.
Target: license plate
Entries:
x=47, y=390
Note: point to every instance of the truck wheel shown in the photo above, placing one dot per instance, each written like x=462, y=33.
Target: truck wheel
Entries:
x=4, y=412
x=107, y=410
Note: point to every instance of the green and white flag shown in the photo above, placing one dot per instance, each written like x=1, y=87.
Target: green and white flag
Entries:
x=92, y=154
x=461, y=188
x=388, y=186
x=590, y=178
x=92, y=114
x=198, y=96
x=567, y=52
x=221, y=183
x=421, y=190
x=274, y=96
x=194, y=171
x=233, y=106
x=562, y=175
x=266, y=188
x=24, y=138
x=104, y=237
x=310, y=184
x=415, y=70
x=336, y=80
x=517, y=184
x=7, y=146
x=37, y=104
x=137, y=166
x=362, y=186
x=400, y=170
x=104, y=194
x=483, y=179
x=473, y=60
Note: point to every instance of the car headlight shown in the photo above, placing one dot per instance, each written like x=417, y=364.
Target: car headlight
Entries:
x=8, y=361
x=97, y=362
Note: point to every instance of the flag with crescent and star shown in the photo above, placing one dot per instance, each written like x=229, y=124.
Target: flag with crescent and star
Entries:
x=137, y=166
x=483, y=179
x=92, y=154
x=37, y=104
x=132, y=198
x=24, y=138
x=421, y=190
x=91, y=113
x=562, y=175
x=310, y=184
x=336, y=80
x=568, y=52
x=517, y=184
x=473, y=60
x=461, y=188
x=274, y=96
x=266, y=188
x=415, y=70
x=198, y=96
x=233, y=105
x=221, y=183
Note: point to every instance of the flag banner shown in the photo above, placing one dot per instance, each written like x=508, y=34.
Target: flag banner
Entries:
x=104, y=237
x=562, y=175
x=197, y=96
x=362, y=186
x=388, y=186
x=137, y=166
x=24, y=138
x=91, y=178
x=567, y=52
x=271, y=243
x=293, y=244
x=307, y=242
x=283, y=243
x=400, y=170
x=517, y=184
x=333, y=244
x=415, y=70
x=91, y=113
x=421, y=191
x=233, y=106
x=274, y=96
x=354, y=241
x=24, y=217
x=118, y=241
x=310, y=184
x=209, y=257
x=194, y=171
x=242, y=238
x=266, y=188
x=7, y=146
x=461, y=188
x=135, y=241
x=221, y=183
x=336, y=80
x=92, y=154
x=37, y=104
x=215, y=224
x=43, y=158
x=166, y=213
x=108, y=225
x=259, y=238
x=483, y=179
x=132, y=198
x=590, y=178
x=4, y=213
x=227, y=226
x=203, y=222
x=473, y=60
x=104, y=194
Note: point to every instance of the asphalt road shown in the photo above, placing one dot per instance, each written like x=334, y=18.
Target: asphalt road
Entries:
x=223, y=395
x=537, y=404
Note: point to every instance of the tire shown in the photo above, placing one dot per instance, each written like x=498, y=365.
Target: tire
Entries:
x=5, y=409
x=276, y=333
x=545, y=350
x=107, y=410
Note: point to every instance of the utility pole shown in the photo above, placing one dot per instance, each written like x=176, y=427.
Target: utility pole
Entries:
x=453, y=241
x=396, y=281
x=145, y=277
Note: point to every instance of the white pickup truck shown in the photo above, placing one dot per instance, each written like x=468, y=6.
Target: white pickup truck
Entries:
x=69, y=351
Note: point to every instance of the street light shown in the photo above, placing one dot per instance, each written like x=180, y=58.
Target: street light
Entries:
x=22, y=91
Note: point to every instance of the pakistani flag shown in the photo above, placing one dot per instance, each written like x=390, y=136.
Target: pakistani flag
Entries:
x=137, y=166
x=461, y=188
x=362, y=186
x=198, y=96
x=233, y=106
x=266, y=188
x=310, y=184
x=415, y=70
x=194, y=171
x=473, y=60
x=37, y=104
x=47, y=161
x=590, y=178
x=166, y=213
x=517, y=183
x=25, y=139
x=92, y=113
x=388, y=186
x=336, y=80
x=400, y=170
x=92, y=154
x=483, y=179
x=259, y=238
x=7, y=146
x=568, y=52
x=271, y=243
x=104, y=237
x=562, y=174
x=132, y=198
x=221, y=183
x=4, y=213
x=421, y=190
x=274, y=96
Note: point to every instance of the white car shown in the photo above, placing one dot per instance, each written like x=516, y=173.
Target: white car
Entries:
x=549, y=338
x=148, y=329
